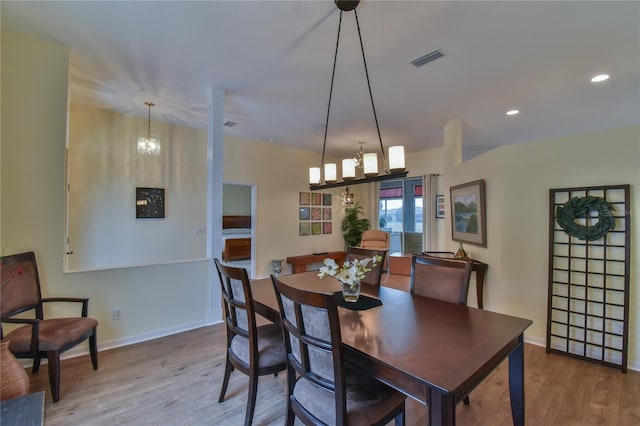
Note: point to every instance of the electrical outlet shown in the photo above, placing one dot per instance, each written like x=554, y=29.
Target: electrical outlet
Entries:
x=117, y=313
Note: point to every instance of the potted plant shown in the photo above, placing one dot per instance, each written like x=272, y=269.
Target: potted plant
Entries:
x=352, y=226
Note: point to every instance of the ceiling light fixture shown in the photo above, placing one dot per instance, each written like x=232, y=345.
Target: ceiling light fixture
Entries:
x=394, y=169
x=513, y=112
x=600, y=78
x=148, y=145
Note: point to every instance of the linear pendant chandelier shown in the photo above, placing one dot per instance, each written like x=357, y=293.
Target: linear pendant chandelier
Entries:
x=393, y=169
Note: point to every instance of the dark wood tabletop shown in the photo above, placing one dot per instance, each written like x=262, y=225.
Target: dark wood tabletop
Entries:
x=433, y=351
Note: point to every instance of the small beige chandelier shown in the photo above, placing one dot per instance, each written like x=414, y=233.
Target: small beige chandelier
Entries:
x=148, y=145
x=394, y=166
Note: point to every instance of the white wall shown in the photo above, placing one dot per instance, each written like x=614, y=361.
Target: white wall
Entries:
x=155, y=300
x=518, y=178
x=280, y=174
x=236, y=200
x=104, y=171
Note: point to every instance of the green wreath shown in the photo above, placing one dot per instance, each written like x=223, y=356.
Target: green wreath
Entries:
x=578, y=207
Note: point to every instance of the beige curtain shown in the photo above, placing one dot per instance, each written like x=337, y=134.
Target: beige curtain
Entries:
x=429, y=192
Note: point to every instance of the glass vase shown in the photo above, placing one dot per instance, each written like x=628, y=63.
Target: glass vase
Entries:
x=351, y=292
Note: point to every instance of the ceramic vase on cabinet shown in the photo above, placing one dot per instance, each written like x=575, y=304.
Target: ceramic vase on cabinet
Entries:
x=14, y=381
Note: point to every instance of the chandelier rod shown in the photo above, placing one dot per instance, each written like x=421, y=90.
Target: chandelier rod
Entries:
x=333, y=75
x=366, y=71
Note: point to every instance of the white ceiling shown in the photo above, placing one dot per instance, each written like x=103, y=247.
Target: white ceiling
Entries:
x=273, y=59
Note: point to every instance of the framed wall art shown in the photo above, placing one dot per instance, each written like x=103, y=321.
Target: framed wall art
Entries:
x=440, y=206
x=468, y=218
x=149, y=203
x=304, y=213
x=305, y=228
x=305, y=198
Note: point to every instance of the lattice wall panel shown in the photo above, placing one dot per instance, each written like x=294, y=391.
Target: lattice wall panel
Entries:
x=588, y=306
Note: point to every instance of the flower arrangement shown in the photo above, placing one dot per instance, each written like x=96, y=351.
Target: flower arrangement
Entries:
x=351, y=272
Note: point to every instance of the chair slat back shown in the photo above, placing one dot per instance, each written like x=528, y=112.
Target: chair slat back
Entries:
x=20, y=287
x=374, y=276
x=312, y=337
x=237, y=300
x=440, y=278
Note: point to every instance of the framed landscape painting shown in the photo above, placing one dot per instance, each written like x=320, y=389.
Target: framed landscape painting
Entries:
x=468, y=218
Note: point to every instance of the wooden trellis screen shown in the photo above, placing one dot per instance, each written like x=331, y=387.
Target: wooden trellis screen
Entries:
x=588, y=306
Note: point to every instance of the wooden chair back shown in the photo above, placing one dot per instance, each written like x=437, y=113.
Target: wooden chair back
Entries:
x=238, y=307
x=440, y=278
x=313, y=343
x=375, y=274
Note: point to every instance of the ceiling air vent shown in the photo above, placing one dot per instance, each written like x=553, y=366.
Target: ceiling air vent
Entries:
x=230, y=123
x=429, y=57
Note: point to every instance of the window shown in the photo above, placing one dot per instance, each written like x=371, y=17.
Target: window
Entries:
x=400, y=213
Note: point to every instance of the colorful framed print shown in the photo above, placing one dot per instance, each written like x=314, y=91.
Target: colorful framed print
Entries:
x=316, y=213
x=468, y=218
x=305, y=228
x=316, y=228
x=305, y=199
x=326, y=199
x=305, y=213
x=326, y=227
x=316, y=199
x=326, y=213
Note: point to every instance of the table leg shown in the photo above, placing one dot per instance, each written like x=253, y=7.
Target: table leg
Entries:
x=442, y=410
x=516, y=383
x=480, y=288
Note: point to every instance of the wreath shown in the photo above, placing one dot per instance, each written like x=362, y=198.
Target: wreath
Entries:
x=578, y=207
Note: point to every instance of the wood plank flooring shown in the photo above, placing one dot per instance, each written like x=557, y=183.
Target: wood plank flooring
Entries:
x=175, y=380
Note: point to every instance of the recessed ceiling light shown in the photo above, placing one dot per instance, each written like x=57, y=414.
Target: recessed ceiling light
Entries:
x=513, y=112
x=599, y=78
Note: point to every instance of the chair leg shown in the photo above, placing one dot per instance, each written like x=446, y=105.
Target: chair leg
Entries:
x=251, y=398
x=36, y=365
x=400, y=419
x=53, y=366
x=93, y=350
x=465, y=400
x=291, y=416
x=225, y=382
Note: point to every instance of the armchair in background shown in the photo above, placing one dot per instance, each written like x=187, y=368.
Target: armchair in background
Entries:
x=375, y=239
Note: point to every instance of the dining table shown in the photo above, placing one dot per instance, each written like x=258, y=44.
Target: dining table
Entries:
x=433, y=351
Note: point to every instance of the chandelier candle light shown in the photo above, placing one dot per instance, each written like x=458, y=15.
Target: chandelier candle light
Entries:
x=148, y=145
x=394, y=169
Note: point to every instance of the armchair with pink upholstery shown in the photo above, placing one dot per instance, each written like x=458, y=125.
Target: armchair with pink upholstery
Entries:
x=375, y=239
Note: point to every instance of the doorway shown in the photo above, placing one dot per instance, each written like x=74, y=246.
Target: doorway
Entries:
x=239, y=200
x=400, y=212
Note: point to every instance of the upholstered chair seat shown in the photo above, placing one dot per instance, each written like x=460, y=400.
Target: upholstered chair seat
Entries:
x=251, y=349
x=367, y=399
x=55, y=334
x=322, y=388
x=21, y=302
x=271, y=350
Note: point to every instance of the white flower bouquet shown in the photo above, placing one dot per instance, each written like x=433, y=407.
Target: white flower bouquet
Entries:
x=351, y=272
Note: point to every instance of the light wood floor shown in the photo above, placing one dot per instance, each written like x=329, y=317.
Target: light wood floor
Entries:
x=175, y=380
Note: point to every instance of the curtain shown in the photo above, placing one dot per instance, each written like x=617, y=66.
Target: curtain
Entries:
x=429, y=192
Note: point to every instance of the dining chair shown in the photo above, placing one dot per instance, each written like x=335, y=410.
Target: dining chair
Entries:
x=374, y=276
x=441, y=278
x=251, y=349
x=39, y=337
x=321, y=388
